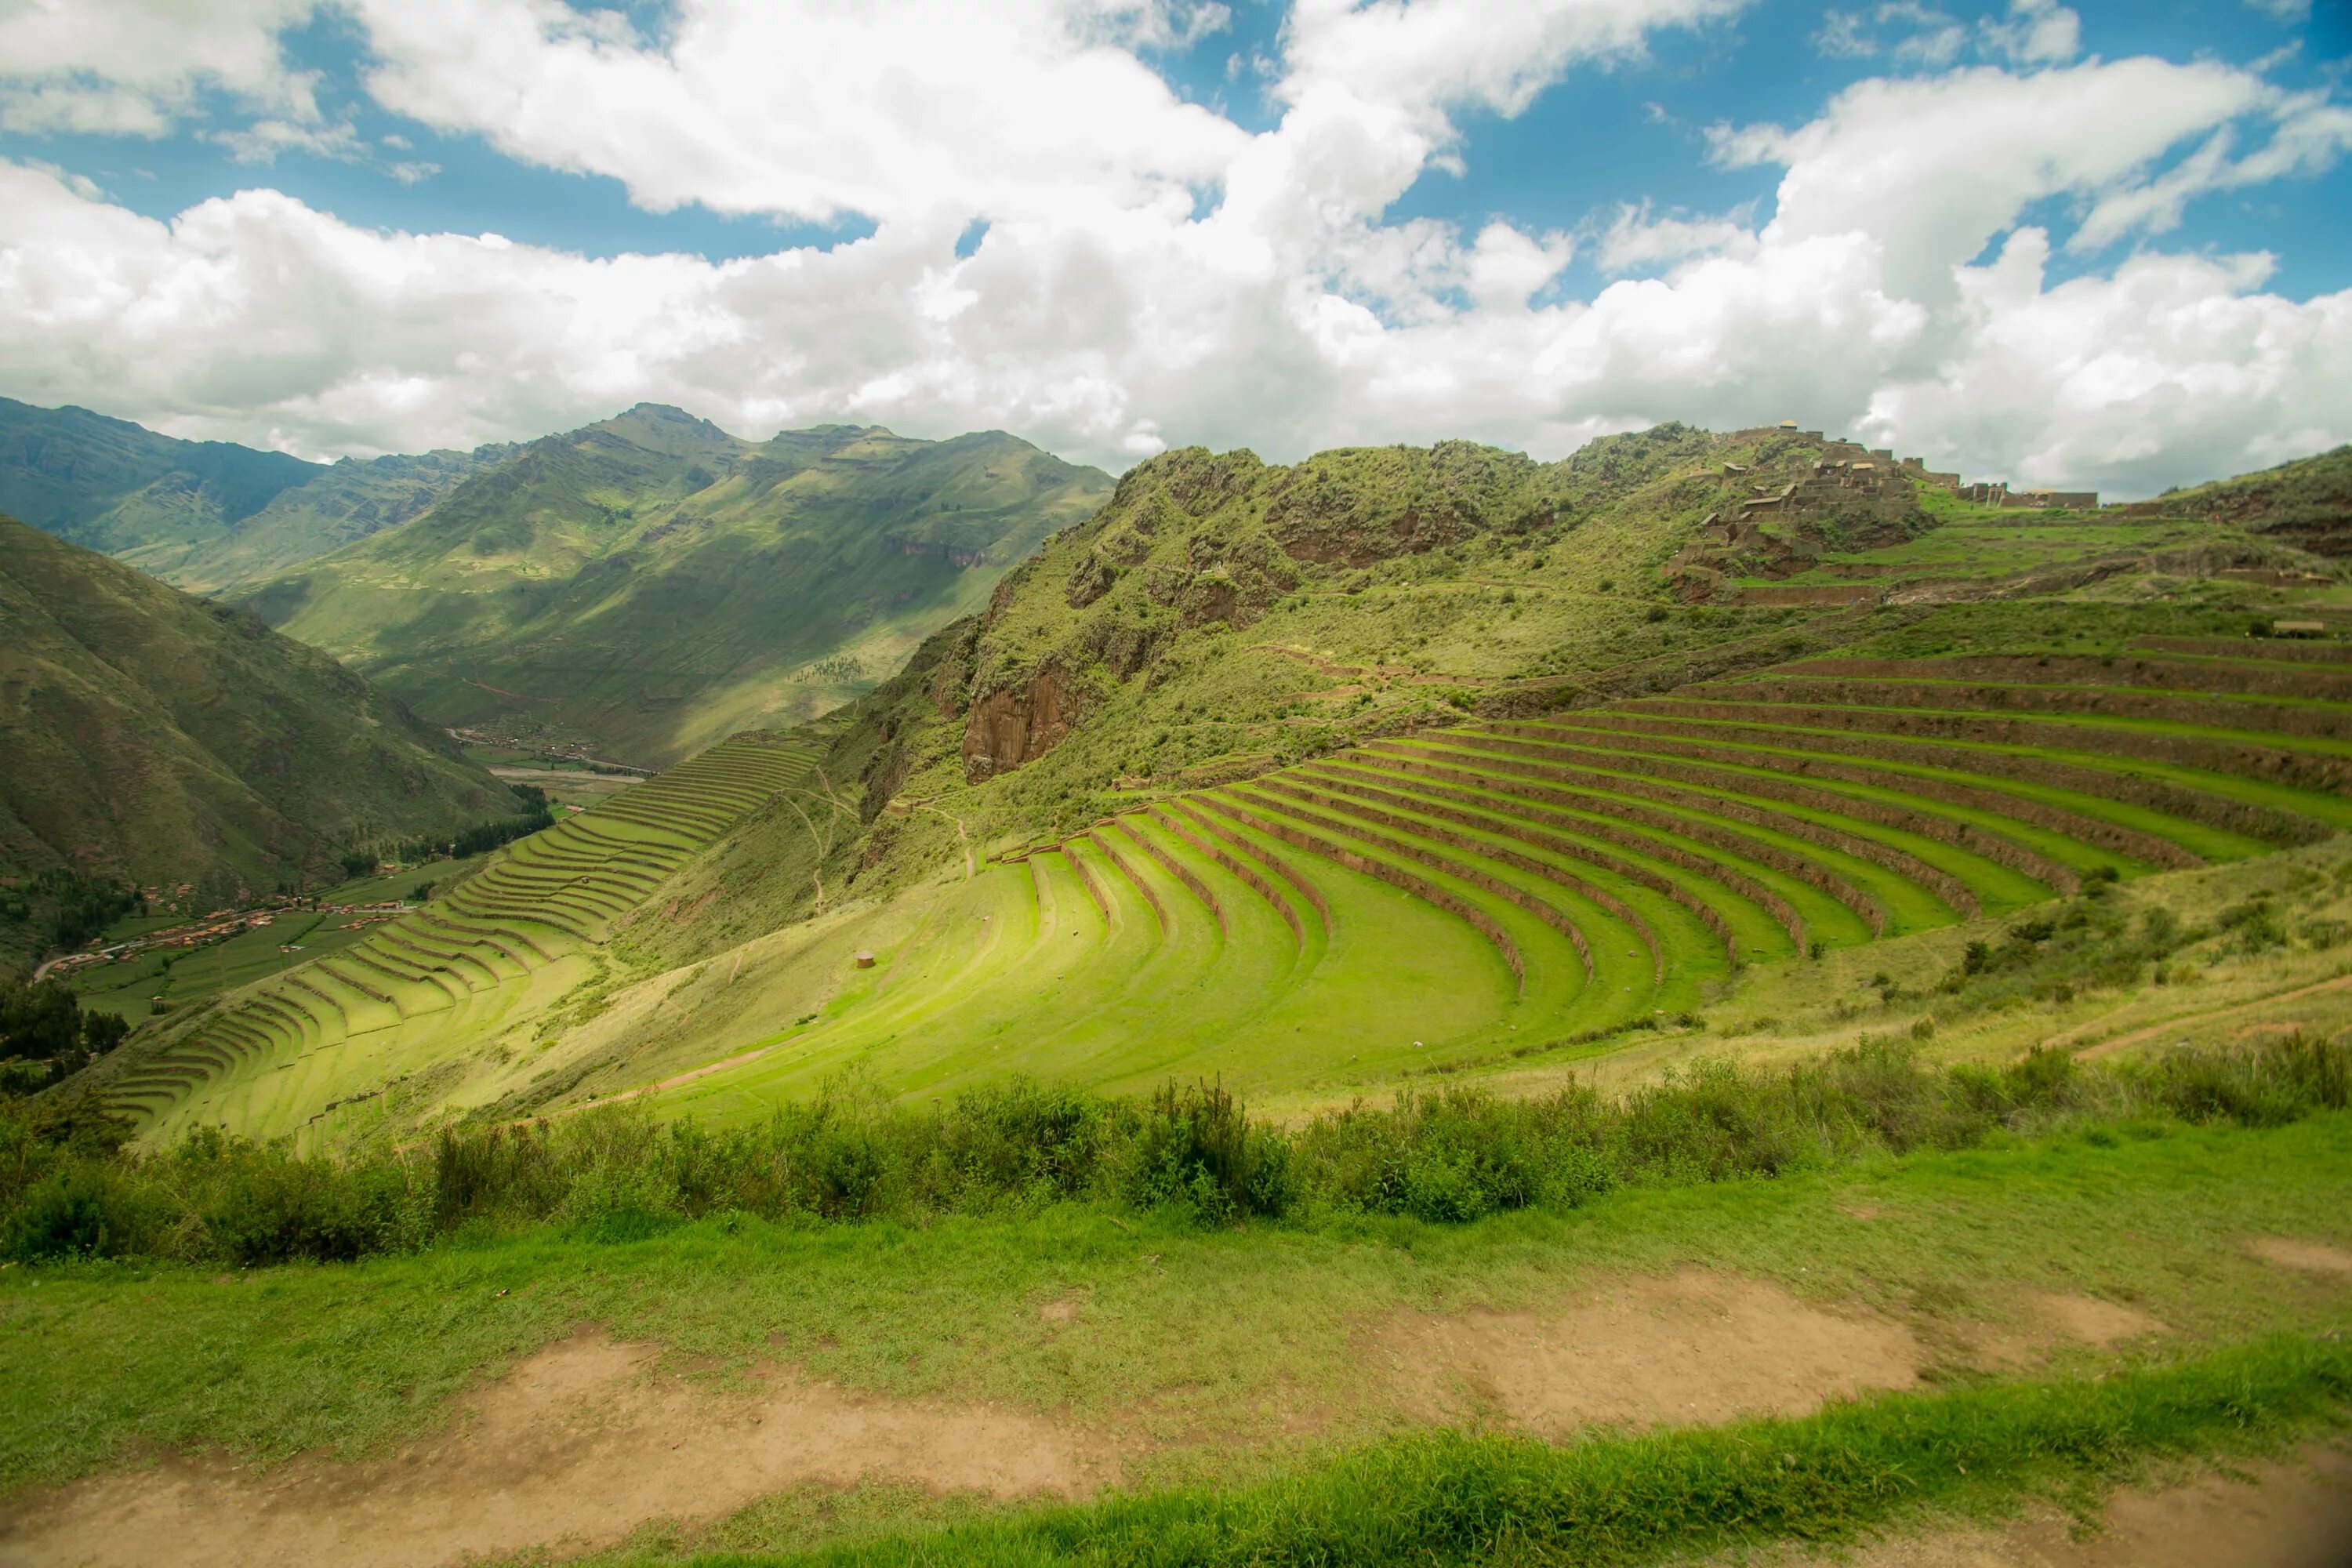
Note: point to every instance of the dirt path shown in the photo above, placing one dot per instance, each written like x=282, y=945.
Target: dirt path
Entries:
x=2285, y=1516
x=589, y=1439
x=580, y=1445
x=2212, y=1015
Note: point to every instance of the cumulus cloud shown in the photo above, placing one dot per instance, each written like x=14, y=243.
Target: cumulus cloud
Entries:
x=1150, y=272
x=810, y=110
x=136, y=67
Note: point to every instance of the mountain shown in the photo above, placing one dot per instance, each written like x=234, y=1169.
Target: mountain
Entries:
x=339, y=505
x=166, y=739
x=111, y=486
x=203, y=515
x=650, y=584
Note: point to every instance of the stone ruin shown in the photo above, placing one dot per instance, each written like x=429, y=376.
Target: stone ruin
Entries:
x=1996, y=492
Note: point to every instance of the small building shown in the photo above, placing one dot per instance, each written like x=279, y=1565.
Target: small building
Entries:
x=864, y=960
x=2299, y=628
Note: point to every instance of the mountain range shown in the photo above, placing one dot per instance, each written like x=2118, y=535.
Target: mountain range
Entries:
x=651, y=584
x=203, y=515
x=635, y=589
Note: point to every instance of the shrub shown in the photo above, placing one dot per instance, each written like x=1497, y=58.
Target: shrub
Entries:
x=1443, y=1156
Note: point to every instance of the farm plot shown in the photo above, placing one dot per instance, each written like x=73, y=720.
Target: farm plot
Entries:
x=1512, y=887
x=338, y=1029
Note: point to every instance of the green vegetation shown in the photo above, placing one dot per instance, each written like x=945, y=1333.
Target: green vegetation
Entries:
x=2307, y=501
x=1192, y=1349
x=45, y=1035
x=466, y=999
x=1577, y=888
x=1313, y=780
x=1444, y=1156
x=182, y=748
x=651, y=584
x=1447, y=1498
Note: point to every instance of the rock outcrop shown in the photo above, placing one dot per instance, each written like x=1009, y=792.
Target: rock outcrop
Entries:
x=1018, y=724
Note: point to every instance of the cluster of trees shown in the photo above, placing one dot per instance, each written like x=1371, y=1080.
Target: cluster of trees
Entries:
x=479, y=839
x=74, y=908
x=45, y=1035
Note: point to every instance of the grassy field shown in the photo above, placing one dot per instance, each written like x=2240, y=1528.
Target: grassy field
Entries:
x=1218, y=1357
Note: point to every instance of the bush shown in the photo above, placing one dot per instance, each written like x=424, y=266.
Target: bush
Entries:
x=1443, y=1156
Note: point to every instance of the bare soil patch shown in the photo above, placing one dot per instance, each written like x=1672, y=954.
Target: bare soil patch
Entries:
x=2094, y=1321
x=2289, y=1515
x=2311, y=1256
x=1695, y=1347
x=575, y=1448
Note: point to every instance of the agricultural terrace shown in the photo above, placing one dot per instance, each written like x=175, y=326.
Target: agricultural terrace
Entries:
x=403, y=1005
x=1505, y=889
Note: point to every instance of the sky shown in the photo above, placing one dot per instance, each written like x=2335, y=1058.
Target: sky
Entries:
x=2106, y=244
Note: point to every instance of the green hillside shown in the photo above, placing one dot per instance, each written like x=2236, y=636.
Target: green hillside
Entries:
x=203, y=515
x=337, y=505
x=1318, y=778
x=165, y=740
x=2307, y=501
x=651, y=584
x=112, y=486
x=501, y=963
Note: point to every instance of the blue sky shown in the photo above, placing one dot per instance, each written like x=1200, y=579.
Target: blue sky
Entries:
x=1444, y=169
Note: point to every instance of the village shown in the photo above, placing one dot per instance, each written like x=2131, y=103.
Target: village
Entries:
x=219, y=926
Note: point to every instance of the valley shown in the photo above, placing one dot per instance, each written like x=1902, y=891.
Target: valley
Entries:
x=1423, y=910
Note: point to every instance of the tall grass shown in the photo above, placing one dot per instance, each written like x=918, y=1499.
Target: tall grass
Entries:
x=1444, y=1154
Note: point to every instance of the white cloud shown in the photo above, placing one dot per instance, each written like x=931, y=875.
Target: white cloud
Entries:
x=1928, y=37
x=136, y=67
x=2288, y=11
x=1939, y=165
x=2036, y=32
x=810, y=109
x=1635, y=239
x=1152, y=273
x=2173, y=369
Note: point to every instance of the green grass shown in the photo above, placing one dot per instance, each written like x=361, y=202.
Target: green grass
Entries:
x=1828, y=1478
x=1198, y=1347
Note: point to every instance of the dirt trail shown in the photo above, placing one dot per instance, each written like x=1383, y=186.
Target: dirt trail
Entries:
x=580, y=1444
x=2217, y=1015
x=2289, y=1515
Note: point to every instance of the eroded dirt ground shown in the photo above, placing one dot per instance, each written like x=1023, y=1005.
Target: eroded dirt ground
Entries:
x=592, y=1438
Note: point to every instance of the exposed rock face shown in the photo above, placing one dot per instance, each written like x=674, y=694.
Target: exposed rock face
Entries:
x=1332, y=533
x=1016, y=724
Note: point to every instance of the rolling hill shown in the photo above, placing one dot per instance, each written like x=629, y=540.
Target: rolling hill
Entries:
x=203, y=515
x=166, y=739
x=2307, y=501
x=650, y=584
x=1318, y=778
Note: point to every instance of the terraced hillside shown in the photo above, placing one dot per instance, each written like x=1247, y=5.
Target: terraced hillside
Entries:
x=1504, y=888
x=431, y=1003
x=1390, y=762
